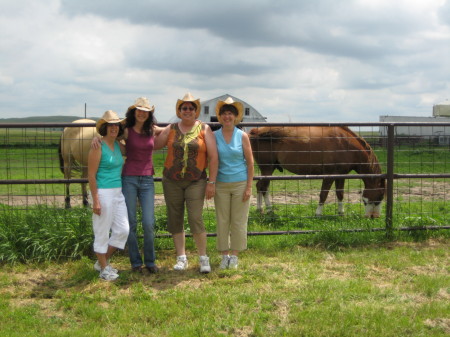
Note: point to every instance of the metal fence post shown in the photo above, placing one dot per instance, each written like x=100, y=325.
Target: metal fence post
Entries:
x=390, y=180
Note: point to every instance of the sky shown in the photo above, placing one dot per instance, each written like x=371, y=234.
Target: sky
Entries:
x=292, y=60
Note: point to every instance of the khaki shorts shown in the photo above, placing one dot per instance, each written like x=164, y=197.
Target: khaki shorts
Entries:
x=177, y=194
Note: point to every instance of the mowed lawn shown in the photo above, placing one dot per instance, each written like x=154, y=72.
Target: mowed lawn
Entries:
x=282, y=288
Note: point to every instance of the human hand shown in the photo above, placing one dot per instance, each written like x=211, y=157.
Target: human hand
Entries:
x=96, y=143
x=97, y=208
x=210, y=191
x=247, y=194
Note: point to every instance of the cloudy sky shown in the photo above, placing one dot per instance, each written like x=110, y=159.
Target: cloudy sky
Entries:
x=292, y=60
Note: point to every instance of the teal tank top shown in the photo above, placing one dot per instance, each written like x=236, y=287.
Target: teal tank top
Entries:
x=110, y=169
x=232, y=164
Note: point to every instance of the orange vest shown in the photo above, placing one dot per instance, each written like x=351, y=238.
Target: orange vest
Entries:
x=186, y=154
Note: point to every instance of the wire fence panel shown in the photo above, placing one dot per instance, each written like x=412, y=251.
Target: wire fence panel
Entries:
x=294, y=169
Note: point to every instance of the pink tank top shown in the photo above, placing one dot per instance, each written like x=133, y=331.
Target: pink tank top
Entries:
x=139, y=161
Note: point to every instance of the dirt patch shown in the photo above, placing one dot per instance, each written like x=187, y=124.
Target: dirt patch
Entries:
x=419, y=190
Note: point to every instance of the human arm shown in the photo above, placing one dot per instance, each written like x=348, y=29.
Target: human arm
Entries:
x=157, y=130
x=93, y=164
x=213, y=162
x=162, y=137
x=248, y=155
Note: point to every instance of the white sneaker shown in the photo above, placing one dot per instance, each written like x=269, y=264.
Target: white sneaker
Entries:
x=204, y=265
x=182, y=263
x=225, y=262
x=98, y=268
x=107, y=275
x=233, y=262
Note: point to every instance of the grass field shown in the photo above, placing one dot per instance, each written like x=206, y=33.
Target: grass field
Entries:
x=331, y=283
x=282, y=288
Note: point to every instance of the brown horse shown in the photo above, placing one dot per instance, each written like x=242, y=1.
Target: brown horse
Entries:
x=73, y=152
x=317, y=150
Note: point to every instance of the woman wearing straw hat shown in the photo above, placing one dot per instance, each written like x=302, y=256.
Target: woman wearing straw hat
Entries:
x=108, y=203
x=234, y=182
x=137, y=181
x=191, y=148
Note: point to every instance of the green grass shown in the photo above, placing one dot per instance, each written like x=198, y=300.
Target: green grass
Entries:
x=282, y=288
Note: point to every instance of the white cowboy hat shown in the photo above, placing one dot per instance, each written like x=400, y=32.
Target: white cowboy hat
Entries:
x=229, y=101
x=188, y=98
x=108, y=117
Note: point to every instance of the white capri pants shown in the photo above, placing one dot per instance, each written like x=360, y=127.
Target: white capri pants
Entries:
x=113, y=218
x=231, y=215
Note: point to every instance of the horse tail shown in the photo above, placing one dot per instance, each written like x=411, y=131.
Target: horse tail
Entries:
x=61, y=159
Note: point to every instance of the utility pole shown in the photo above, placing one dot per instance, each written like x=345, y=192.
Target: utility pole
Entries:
x=84, y=110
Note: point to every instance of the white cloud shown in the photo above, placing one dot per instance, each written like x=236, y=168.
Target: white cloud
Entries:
x=291, y=60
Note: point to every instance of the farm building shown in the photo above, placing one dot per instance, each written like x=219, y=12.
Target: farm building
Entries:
x=208, y=112
x=440, y=134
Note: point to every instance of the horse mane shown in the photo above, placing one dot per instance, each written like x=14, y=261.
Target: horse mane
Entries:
x=371, y=156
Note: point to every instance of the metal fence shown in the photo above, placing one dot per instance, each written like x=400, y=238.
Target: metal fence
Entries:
x=416, y=168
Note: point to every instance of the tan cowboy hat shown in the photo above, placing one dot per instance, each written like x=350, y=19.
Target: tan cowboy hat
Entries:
x=108, y=117
x=188, y=98
x=229, y=101
x=142, y=103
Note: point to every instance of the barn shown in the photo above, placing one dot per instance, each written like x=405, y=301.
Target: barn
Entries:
x=208, y=112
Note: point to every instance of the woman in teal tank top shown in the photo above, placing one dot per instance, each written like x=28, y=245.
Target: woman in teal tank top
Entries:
x=234, y=183
x=108, y=204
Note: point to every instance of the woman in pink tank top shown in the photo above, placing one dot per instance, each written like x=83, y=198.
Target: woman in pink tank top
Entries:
x=137, y=182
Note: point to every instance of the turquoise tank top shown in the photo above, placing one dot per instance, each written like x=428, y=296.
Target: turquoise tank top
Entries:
x=232, y=164
x=110, y=169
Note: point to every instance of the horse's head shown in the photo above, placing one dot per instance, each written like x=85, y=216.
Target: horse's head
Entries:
x=372, y=197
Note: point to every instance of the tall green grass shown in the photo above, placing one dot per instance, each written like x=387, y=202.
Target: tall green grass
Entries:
x=44, y=233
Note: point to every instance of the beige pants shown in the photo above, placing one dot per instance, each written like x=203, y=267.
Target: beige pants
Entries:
x=231, y=216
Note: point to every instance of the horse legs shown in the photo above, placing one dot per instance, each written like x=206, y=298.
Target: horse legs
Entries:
x=262, y=187
x=326, y=185
x=339, y=185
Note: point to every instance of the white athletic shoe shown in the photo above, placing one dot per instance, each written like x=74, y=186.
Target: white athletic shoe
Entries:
x=182, y=263
x=98, y=268
x=204, y=265
x=225, y=262
x=233, y=262
x=107, y=274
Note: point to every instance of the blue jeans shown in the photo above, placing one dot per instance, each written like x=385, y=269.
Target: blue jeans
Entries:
x=142, y=188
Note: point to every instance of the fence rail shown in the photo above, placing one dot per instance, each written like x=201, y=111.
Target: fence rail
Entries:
x=388, y=142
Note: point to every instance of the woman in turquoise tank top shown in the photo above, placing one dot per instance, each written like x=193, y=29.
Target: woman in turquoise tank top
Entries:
x=108, y=203
x=234, y=183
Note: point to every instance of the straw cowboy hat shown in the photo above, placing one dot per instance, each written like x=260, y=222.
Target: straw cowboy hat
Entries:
x=142, y=103
x=229, y=101
x=108, y=117
x=188, y=98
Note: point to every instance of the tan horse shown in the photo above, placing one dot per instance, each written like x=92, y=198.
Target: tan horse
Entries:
x=73, y=152
x=317, y=150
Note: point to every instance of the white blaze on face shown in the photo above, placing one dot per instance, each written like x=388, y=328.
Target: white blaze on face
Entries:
x=372, y=210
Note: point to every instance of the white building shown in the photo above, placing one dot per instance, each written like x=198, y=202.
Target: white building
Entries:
x=441, y=114
x=208, y=112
